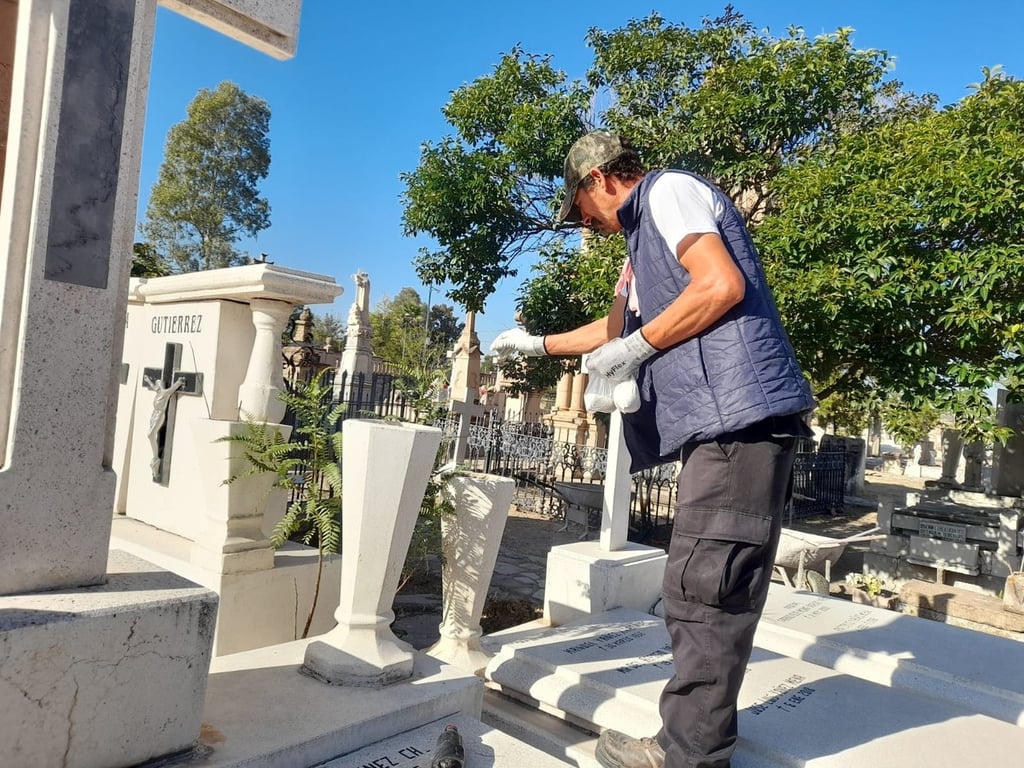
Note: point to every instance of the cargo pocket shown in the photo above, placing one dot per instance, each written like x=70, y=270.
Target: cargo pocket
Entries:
x=720, y=559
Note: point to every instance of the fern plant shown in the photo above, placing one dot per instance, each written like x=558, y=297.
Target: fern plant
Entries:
x=308, y=467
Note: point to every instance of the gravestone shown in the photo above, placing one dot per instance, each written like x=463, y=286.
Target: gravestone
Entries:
x=607, y=671
x=589, y=577
x=216, y=335
x=980, y=671
x=357, y=357
x=483, y=747
x=260, y=711
x=952, y=453
x=854, y=447
x=974, y=466
x=1008, y=459
x=109, y=655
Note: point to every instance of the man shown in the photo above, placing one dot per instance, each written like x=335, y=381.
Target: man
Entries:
x=694, y=322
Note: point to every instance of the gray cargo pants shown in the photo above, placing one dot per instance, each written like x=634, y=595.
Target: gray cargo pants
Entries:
x=732, y=493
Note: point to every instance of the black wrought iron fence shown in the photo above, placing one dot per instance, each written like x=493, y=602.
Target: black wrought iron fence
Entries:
x=377, y=395
x=543, y=466
x=550, y=474
x=819, y=482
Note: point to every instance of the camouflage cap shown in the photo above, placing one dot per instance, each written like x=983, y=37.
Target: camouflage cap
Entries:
x=590, y=151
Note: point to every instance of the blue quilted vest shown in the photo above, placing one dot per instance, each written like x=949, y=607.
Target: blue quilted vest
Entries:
x=739, y=371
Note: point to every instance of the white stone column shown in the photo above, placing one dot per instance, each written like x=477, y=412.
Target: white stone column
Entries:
x=471, y=538
x=577, y=385
x=258, y=395
x=105, y=655
x=385, y=469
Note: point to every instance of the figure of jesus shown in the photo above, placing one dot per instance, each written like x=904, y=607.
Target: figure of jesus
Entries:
x=161, y=398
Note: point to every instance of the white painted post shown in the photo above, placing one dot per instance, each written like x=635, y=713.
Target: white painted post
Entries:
x=615, y=508
x=466, y=411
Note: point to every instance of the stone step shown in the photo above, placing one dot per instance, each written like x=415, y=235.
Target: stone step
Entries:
x=556, y=737
x=552, y=735
x=485, y=747
x=607, y=671
x=976, y=670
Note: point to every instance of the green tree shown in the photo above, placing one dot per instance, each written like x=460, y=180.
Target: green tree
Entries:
x=723, y=99
x=206, y=196
x=397, y=323
x=737, y=104
x=444, y=327
x=326, y=327
x=146, y=262
x=897, y=258
x=406, y=335
x=485, y=196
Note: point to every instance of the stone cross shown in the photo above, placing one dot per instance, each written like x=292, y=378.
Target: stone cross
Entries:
x=466, y=411
x=167, y=383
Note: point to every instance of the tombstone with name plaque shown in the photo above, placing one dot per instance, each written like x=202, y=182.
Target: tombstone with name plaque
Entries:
x=206, y=351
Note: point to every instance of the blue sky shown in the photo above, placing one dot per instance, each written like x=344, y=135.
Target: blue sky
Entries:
x=368, y=83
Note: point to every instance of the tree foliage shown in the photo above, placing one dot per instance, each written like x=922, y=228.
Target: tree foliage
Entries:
x=890, y=229
x=406, y=335
x=485, y=196
x=722, y=99
x=898, y=257
x=736, y=104
x=206, y=196
x=328, y=326
x=146, y=262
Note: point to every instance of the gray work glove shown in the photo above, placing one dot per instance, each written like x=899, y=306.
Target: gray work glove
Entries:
x=517, y=340
x=618, y=359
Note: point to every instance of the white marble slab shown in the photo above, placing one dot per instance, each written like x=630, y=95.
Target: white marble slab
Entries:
x=973, y=669
x=603, y=671
x=797, y=713
x=608, y=672
x=484, y=747
x=262, y=712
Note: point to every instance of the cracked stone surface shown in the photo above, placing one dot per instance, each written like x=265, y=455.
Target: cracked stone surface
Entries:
x=114, y=673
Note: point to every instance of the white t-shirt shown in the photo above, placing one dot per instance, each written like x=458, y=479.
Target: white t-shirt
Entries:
x=680, y=206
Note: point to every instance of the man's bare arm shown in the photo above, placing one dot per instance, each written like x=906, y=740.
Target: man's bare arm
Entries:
x=588, y=337
x=716, y=286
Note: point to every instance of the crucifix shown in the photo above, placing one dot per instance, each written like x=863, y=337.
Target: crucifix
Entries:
x=167, y=383
x=466, y=411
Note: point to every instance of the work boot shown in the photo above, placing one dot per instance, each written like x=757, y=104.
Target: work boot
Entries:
x=617, y=750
